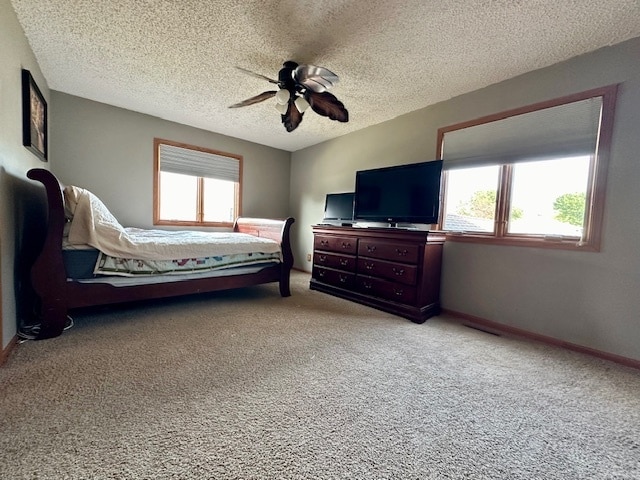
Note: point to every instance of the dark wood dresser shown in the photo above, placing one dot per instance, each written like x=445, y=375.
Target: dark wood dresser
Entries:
x=392, y=269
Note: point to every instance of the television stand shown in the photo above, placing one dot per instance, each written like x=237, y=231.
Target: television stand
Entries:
x=392, y=269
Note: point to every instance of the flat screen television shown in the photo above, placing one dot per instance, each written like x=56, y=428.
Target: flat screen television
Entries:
x=399, y=194
x=338, y=208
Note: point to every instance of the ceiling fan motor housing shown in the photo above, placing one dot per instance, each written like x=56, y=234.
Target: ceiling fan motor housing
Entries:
x=285, y=76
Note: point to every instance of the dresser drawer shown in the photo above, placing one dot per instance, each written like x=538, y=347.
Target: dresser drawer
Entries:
x=332, y=260
x=334, y=277
x=396, y=272
x=336, y=244
x=396, y=292
x=399, y=252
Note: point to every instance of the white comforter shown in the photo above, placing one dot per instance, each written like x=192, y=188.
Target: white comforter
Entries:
x=93, y=224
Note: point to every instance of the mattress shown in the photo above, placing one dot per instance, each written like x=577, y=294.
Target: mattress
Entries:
x=79, y=263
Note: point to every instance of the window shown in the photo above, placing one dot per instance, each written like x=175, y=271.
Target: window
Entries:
x=533, y=176
x=195, y=186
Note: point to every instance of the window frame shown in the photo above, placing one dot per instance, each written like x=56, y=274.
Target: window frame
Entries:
x=199, y=222
x=594, y=215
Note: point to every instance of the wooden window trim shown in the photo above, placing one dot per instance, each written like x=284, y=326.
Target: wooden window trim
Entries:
x=596, y=188
x=200, y=209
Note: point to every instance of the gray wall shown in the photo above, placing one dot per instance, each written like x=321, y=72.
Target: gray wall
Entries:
x=109, y=150
x=590, y=299
x=15, y=160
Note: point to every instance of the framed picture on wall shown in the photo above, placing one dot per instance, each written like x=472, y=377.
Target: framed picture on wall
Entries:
x=34, y=117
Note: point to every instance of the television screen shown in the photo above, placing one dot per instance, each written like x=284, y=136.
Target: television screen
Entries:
x=399, y=194
x=338, y=207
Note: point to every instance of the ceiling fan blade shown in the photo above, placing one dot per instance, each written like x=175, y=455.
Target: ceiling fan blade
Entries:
x=314, y=78
x=327, y=105
x=257, y=99
x=257, y=75
x=292, y=118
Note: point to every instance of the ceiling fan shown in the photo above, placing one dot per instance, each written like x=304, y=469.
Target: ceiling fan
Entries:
x=300, y=87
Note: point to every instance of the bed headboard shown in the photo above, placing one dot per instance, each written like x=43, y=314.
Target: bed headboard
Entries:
x=55, y=202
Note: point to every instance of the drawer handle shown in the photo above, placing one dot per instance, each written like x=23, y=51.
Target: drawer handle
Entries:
x=398, y=291
x=344, y=262
x=322, y=258
x=369, y=266
x=398, y=272
x=343, y=278
x=367, y=286
x=321, y=273
x=324, y=243
x=402, y=253
x=371, y=248
x=346, y=245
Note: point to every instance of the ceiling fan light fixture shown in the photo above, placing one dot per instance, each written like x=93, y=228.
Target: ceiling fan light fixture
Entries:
x=301, y=104
x=300, y=87
x=283, y=95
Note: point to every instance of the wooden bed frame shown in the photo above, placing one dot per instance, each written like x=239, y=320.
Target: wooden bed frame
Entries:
x=57, y=295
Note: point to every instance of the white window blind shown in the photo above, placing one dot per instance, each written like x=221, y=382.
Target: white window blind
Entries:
x=562, y=131
x=199, y=164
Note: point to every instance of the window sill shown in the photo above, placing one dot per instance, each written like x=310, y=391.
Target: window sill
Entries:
x=171, y=223
x=529, y=242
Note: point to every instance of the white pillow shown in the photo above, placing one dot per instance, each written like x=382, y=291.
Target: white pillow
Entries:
x=71, y=195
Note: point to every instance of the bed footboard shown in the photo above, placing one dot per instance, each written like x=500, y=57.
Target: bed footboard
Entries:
x=57, y=295
x=278, y=230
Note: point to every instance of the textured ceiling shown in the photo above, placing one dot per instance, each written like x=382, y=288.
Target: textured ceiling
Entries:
x=176, y=59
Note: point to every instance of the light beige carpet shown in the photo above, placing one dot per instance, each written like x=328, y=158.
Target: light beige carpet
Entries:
x=249, y=385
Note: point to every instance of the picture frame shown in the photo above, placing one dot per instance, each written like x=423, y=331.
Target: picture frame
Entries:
x=34, y=117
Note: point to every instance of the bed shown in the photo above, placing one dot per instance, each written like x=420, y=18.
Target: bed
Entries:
x=61, y=282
